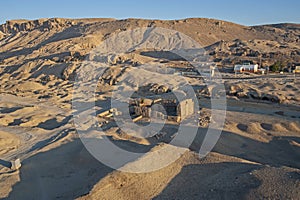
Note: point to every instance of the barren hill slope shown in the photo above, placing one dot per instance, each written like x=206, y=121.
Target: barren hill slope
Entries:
x=48, y=42
x=256, y=156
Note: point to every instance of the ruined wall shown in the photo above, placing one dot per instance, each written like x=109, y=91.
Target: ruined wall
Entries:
x=185, y=108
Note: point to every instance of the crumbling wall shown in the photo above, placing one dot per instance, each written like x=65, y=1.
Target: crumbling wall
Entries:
x=185, y=108
x=174, y=111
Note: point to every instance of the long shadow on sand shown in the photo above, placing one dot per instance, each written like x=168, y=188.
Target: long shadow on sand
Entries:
x=66, y=172
x=69, y=171
x=5, y=163
x=51, y=124
x=280, y=151
x=231, y=180
x=212, y=181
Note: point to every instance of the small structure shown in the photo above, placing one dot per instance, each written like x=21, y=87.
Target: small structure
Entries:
x=246, y=67
x=108, y=113
x=207, y=70
x=297, y=69
x=137, y=118
x=212, y=71
x=261, y=71
x=172, y=110
x=16, y=164
x=189, y=73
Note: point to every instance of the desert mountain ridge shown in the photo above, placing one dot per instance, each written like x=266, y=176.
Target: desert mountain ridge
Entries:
x=255, y=157
x=25, y=24
x=225, y=41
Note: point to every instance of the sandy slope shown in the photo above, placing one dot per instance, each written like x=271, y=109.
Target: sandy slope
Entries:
x=256, y=157
x=8, y=142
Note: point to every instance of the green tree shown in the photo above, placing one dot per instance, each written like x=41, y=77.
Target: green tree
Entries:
x=277, y=66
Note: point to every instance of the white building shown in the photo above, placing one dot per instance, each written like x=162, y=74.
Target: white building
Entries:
x=246, y=68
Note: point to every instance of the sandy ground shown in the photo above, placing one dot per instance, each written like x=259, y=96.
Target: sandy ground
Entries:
x=256, y=157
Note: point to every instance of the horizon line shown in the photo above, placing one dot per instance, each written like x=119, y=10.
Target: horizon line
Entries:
x=150, y=18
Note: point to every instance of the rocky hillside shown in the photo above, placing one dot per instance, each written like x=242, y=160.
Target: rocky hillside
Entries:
x=32, y=48
x=43, y=112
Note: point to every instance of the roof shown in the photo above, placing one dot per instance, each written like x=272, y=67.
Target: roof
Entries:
x=147, y=102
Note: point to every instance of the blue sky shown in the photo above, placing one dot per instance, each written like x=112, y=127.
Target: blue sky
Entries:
x=243, y=12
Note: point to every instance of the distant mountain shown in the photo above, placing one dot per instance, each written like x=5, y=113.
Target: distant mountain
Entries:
x=24, y=44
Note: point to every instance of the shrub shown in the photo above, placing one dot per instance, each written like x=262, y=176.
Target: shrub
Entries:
x=278, y=66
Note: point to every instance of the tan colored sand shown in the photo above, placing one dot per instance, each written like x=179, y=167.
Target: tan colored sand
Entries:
x=8, y=142
x=257, y=155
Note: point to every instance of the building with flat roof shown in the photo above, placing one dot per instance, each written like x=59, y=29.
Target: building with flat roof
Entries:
x=246, y=67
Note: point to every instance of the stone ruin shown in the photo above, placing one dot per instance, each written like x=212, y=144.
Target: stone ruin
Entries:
x=16, y=164
x=169, y=109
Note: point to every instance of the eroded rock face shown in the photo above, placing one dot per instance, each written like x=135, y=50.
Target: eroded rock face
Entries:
x=69, y=72
x=57, y=41
x=14, y=26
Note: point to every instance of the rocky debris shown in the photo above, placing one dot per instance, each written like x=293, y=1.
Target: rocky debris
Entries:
x=204, y=119
x=45, y=78
x=159, y=89
x=245, y=91
x=272, y=97
x=108, y=77
x=77, y=56
x=69, y=72
x=204, y=91
x=75, y=36
x=113, y=74
x=226, y=51
x=255, y=95
x=72, y=56
x=153, y=89
x=160, y=135
x=233, y=89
